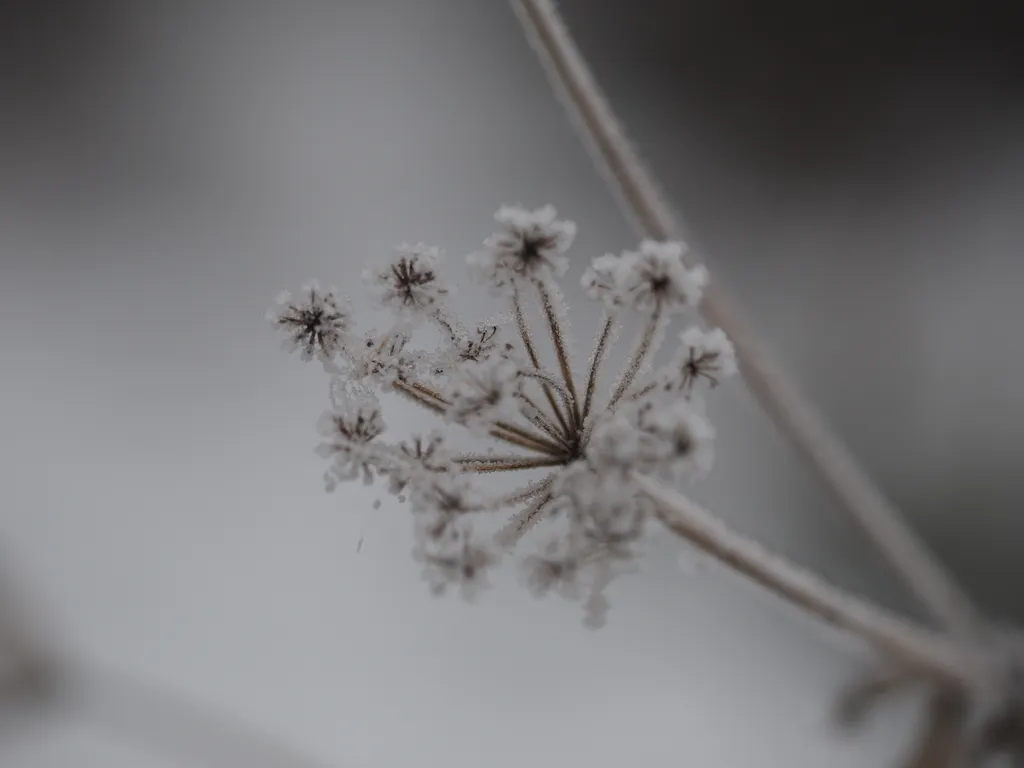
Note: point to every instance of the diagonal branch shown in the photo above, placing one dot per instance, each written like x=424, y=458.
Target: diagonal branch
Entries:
x=919, y=648
x=641, y=200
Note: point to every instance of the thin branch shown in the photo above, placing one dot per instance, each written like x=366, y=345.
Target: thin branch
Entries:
x=524, y=493
x=558, y=338
x=595, y=364
x=895, y=637
x=538, y=441
x=424, y=396
x=531, y=351
x=507, y=463
x=521, y=522
x=423, y=399
x=532, y=412
x=643, y=349
x=642, y=201
x=549, y=380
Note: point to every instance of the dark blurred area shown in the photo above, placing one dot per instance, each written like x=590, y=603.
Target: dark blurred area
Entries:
x=801, y=87
x=795, y=87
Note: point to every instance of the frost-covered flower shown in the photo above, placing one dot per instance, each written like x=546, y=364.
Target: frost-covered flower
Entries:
x=386, y=360
x=348, y=436
x=657, y=278
x=417, y=459
x=316, y=323
x=537, y=408
x=531, y=245
x=557, y=567
x=477, y=346
x=601, y=279
x=458, y=561
x=683, y=437
x=617, y=444
x=411, y=285
x=483, y=393
x=702, y=354
x=605, y=510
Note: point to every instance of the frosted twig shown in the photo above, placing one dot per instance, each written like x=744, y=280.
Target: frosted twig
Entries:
x=917, y=647
x=642, y=201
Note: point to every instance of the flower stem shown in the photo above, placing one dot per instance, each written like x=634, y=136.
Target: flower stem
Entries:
x=531, y=351
x=521, y=522
x=532, y=412
x=643, y=349
x=641, y=200
x=558, y=339
x=595, y=364
x=919, y=648
x=485, y=464
x=509, y=433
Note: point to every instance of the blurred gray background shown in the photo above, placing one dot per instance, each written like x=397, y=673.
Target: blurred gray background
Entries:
x=853, y=171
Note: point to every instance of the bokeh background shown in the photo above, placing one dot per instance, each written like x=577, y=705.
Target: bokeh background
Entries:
x=853, y=171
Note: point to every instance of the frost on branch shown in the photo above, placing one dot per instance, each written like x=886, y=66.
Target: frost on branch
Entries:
x=520, y=387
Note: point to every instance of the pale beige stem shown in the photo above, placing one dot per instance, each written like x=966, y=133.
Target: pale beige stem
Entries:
x=642, y=201
x=897, y=638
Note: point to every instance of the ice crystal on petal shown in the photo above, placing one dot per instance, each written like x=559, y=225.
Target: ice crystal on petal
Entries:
x=601, y=280
x=411, y=285
x=457, y=560
x=684, y=437
x=657, y=277
x=348, y=435
x=707, y=355
x=536, y=407
x=483, y=393
x=530, y=245
x=555, y=568
x=316, y=323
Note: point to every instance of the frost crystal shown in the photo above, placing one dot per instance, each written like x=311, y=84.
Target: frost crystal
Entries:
x=316, y=323
x=537, y=408
x=531, y=245
x=411, y=285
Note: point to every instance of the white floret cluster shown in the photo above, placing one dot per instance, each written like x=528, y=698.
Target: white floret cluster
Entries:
x=545, y=422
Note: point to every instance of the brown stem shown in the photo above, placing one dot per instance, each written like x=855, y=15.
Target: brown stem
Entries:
x=424, y=396
x=539, y=441
x=421, y=398
x=538, y=418
x=643, y=349
x=558, y=339
x=531, y=351
x=599, y=352
x=507, y=464
x=525, y=493
x=521, y=522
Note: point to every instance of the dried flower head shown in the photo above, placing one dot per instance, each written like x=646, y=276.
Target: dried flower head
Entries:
x=578, y=455
x=316, y=323
x=531, y=244
x=411, y=286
